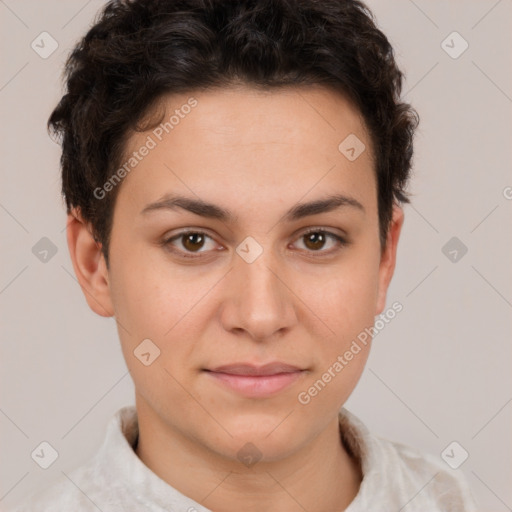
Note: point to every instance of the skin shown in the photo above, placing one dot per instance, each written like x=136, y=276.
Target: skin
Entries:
x=257, y=154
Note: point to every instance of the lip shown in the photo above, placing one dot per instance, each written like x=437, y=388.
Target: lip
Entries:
x=256, y=381
x=256, y=370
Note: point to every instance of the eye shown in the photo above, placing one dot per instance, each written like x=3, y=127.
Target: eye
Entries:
x=315, y=240
x=191, y=241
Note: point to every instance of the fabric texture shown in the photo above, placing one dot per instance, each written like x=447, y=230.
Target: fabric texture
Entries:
x=395, y=477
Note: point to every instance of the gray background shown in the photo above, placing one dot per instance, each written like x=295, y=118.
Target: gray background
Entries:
x=439, y=372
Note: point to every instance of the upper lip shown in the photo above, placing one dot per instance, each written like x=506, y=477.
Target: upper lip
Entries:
x=250, y=369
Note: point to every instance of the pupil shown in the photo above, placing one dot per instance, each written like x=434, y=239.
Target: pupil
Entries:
x=317, y=239
x=191, y=241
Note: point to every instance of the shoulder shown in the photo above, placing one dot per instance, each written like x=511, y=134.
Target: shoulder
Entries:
x=100, y=483
x=63, y=495
x=435, y=482
x=397, y=475
x=87, y=488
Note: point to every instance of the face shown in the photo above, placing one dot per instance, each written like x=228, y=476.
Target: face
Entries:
x=253, y=278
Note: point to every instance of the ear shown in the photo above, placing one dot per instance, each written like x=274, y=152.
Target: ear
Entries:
x=388, y=257
x=89, y=265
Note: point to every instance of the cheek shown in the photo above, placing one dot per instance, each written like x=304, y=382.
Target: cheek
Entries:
x=345, y=306
x=149, y=295
x=157, y=300
x=344, y=298
x=345, y=302
x=152, y=305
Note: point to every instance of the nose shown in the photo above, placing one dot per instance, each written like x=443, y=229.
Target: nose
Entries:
x=260, y=301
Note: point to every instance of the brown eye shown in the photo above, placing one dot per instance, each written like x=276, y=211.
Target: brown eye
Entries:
x=188, y=244
x=193, y=241
x=316, y=239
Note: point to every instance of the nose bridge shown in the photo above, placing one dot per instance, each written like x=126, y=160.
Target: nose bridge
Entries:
x=259, y=278
x=262, y=303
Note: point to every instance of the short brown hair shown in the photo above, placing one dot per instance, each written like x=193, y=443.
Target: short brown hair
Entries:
x=138, y=51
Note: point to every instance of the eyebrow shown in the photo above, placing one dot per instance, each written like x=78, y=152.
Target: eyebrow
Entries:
x=212, y=211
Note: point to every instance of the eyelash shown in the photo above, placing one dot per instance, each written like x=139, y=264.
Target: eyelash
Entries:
x=340, y=240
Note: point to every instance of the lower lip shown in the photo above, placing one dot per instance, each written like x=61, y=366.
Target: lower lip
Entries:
x=257, y=386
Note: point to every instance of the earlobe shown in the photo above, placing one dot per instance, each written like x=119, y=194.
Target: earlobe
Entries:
x=388, y=257
x=89, y=265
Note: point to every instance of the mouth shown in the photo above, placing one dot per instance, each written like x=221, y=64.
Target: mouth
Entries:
x=256, y=381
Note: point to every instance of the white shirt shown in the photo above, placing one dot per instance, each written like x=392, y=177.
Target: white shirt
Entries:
x=116, y=480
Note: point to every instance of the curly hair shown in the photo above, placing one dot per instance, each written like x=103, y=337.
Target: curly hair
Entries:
x=139, y=51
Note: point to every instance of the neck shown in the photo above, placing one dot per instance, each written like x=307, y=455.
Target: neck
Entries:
x=320, y=476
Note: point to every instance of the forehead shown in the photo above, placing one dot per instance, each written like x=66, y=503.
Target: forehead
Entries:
x=240, y=139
